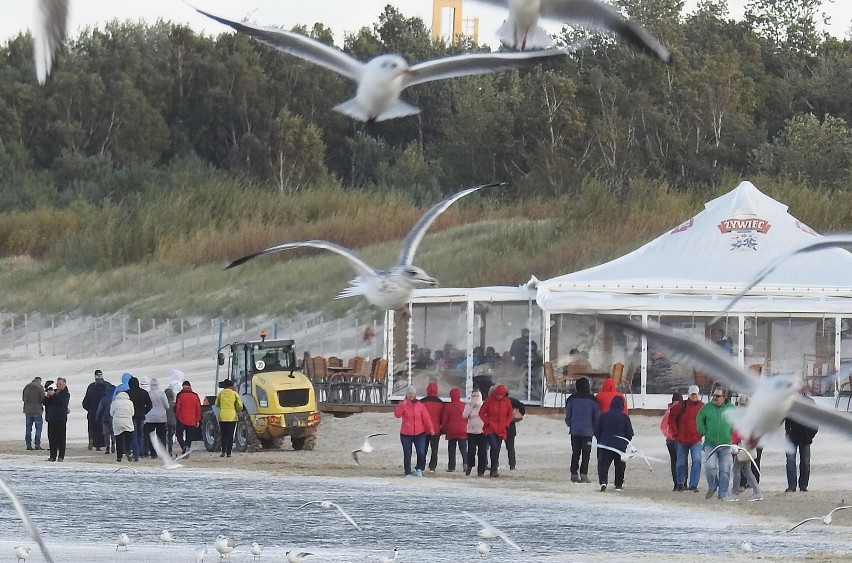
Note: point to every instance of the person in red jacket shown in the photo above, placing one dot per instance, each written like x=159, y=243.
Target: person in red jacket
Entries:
x=416, y=424
x=187, y=415
x=454, y=427
x=683, y=426
x=605, y=395
x=435, y=407
x=496, y=414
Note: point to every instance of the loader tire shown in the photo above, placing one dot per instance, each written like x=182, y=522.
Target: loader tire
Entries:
x=210, y=432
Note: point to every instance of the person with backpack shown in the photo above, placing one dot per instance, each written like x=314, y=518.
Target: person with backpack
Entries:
x=684, y=429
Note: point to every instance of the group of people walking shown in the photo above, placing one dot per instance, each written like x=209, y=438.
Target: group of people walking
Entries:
x=477, y=429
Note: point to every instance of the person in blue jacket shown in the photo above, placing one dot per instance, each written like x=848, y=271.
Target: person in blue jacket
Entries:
x=124, y=386
x=612, y=426
x=581, y=415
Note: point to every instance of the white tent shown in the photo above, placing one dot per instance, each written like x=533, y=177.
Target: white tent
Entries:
x=701, y=263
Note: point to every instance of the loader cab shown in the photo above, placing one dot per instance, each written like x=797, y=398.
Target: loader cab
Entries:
x=248, y=358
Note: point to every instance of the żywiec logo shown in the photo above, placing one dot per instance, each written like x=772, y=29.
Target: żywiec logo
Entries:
x=739, y=225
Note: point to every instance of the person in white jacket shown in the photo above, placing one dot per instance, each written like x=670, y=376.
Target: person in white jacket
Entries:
x=122, y=411
x=155, y=420
x=475, y=438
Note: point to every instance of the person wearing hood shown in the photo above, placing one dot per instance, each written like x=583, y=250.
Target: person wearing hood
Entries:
x=123, y=413
x=187, y=416
x=496, y=415
x=141, y=406
x=177, y=377
x=156, y=418
x=518, y=412
x=230, y=407
x=105, y=419
x=435, y=407
x=454, y=426
x=94, y=392
x=581, y=416
x=124, y=386
x=56, y=402
x=684, y=427
x=477, y=447
x=611, y=426
x=671, y=442
x=416, y=424
x=171, y=421
x=606, y=394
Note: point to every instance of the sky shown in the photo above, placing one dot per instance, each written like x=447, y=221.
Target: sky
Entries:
x=342, y=16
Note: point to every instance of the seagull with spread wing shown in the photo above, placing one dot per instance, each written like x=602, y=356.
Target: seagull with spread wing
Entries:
x=388, y=289
x=366, y=447
x=48, y=34
x=521, y=29
x=632, y=452
x=825, y=519
x=489, y=531
x=26, y=519
x=382, y=79
x=735, y=450
x=164, y=455
x=328, y=504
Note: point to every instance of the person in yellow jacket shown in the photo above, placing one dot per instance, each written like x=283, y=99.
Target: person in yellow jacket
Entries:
x=230, y=406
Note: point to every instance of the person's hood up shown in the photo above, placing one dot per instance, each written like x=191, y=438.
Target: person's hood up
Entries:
x=583, y=386
x=126, y=377
x=455, y=395
x=608, y=385
x=122, y=395
x=432, y=390
x=155, y=385
x=677, y=397
x=617, y=404
x=133, y=383
x=143, y=382
x=475, y=397
x=500, y=391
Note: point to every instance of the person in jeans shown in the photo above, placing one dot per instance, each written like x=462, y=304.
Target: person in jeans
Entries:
x=581, y=416
x=610, y=428
x=802, y=437
x=716, y=429
x=33, y=397
x=187, y=415
x=416, y=424
x=683, y=426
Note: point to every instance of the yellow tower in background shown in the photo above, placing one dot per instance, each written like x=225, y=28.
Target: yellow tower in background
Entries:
x=448, y=24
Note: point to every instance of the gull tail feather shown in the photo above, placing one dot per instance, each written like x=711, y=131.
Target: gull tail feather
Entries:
x=355, y=110
x=356, y=287
x=537, y=37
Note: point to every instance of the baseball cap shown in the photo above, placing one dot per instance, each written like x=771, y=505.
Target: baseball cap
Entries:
x=694, y=389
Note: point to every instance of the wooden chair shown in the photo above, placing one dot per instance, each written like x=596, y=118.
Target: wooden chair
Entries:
x=571, y=373
x=357, y=379
x=377, y=386
x=627, y=382
x=843, y=390
x=617, y=374
x=552, y=384
x=319, y=377
x=334, y=362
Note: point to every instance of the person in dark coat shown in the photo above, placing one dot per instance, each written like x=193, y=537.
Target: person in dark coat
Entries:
x=802, y=437
x=94, y=393
x=611, y=424
x=103, y=416
x=513, y=431
x=581, y=415
x=435, y=407
x=496, y=415
x=56, y=400
x=141, y=406
x=454, y=426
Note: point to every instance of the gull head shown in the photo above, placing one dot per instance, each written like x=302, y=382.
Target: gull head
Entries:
x=255, y=548
x=166, y=537
x=223, y=545
x=388, y=67
x=483, y=548
x=412, y=276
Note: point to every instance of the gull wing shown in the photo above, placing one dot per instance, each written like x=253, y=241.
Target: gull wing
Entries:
x=25, y=517
x=355, y=456
x=164, y=455
x=698, y=352
x=826, y=242
x=50, y=31
x=610, y=448
x=415, y=236
x=807, y=413
x=478, y=63
x=299, y=46
x=499, y=532
x=311, y=502
x=363, y=269
x=738, y=449
x=838, y=508
x=184, y=454
x=374, y=435
x=345, y=515
x=595, y=15
x=804, y=521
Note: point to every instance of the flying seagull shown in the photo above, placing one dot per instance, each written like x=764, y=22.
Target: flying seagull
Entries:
x=382, y=79
x=328, y=504
x=50, y=31
x=825, y=519
x=164, y=455
x=772, y=398
x=489, y=531
x=25, y=518
x=632, y=451
x=388, y=289
x=736, y=449
x=822, y=243
x=367, y=447
x=255, y=550
x=521, y=29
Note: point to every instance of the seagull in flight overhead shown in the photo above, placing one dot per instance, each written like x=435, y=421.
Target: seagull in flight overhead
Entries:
x=390, y=289
x=25, y=518
x=822, y=243
x=382, y=79
x=772, y=398
x=48, y=34
x=825, y=519
x=489, y=531
x=164, y=455
x=521, y=29
x=328, y=504
x=367, y=447
x=632, y=451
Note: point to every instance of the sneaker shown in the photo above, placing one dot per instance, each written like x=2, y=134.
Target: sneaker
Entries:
x=448, y=470
x=755, y=498
x=790, y=490
x=710, y=493
x=408, y=475
x=730, y=498
x=575, y=479
x=467, y=471
x=106, y=452
x=29, y=447
x=481, y=474
x=803, y=489
x=60, y=459
x=431, y=470
x=692, y=489
x=603, y=488
x=494, y=474
x=39, y=448
x=418, y=473
x=220, y=455
x=584, y=479
x=97, y=449
x=227, y=455
x=51, y=459
x=620, y=489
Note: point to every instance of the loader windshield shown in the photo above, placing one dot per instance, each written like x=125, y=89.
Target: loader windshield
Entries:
x=272, y=359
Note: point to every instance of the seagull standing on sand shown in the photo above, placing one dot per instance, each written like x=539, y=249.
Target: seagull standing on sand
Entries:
x=489, y=531
x=367, y=447
x=521, y=29
x=25, y=518
x=390, y=558
x=293, y=557
x=825, y=519
x=328, y=504
x=123, y=541
x=224, y=545
x=50, y=31
x=21, y=553
x=389, y=289
x=771, y=398
x=200, y=552
x=166, y=537
x=382, y=79
x=255, y=550
x=483, y=548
